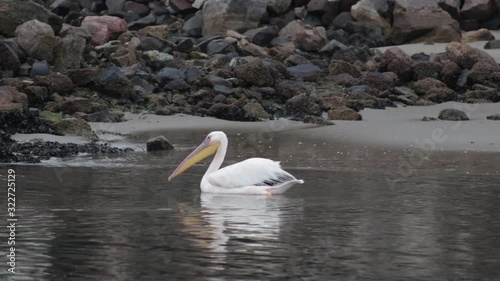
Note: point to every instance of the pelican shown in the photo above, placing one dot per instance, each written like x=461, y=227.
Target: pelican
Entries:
x=252, y=176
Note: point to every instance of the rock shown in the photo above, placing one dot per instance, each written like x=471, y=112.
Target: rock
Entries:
x=424, y=70
x=494, y=22
x=493, y=44
x=115, y=6
x=414, y=19
x=370, y=12
x=254, y=111
x=305, y=72
x=57, y=83
x=495, y=117
x=168, y=74
x=240, y=15
x=305, y=37
x=424, y=86
x=427, y=119
x=37, y=40
x=15, y=13
x=452, y=7
x=466, y=56
x=75, y=127
x=302, y=105
x=279, y=6
x=220, y=46
x=342, y=19
x=159, y=31
x=113, y=83
x=40, y=68
x=104, y=28
x=76, y=104
x=317, y=120
x=288, y=89
x=452, y=115
x=83, y=76
x=478, y=9
x=469, y=25
x=255, y=73
x=51, y=117
x=10, y=60
x=480, y=92
x=450, y=72
x=150, y=43
x=262, y=36
x=296, y=59
x=344, y=113
x=481, y=71
x=482, y=34
x=69, y=52
x=380, y=81
x=158, y=143
x=139, y=9
x=222, y=111
x=193, y=27
x=156, y=59
x=337, y=67
x=37, y=96
x=12, y=100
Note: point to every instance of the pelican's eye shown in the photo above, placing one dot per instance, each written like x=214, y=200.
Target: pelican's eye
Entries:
x=209, y=138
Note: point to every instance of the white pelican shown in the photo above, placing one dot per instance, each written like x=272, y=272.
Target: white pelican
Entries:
x=252, y=176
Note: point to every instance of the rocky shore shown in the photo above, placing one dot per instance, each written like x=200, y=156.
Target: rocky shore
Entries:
x=80, y=61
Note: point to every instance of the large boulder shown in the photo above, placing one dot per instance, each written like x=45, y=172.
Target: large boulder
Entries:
x=423, y=20
x=10, y=60
x=15, y=13
x=451, y=114
x=158, y=143
x=372, y=12
x=466, y=56
x=12, y=100
x=104, y=28
x=113, y=83
x=69, y=53
x=239, y=15
x=37, y=39
x=305, y=37
x=478, y=9
x=75, y=127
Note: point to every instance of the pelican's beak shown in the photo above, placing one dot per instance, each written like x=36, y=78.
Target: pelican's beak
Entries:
x=201, y=152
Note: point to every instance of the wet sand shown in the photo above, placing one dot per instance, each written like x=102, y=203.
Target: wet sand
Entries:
x=393, y=127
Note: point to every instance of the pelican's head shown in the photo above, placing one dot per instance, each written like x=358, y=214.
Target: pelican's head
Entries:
x=208, y=147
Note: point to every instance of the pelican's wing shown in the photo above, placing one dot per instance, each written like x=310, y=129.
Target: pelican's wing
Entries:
x=251, y=172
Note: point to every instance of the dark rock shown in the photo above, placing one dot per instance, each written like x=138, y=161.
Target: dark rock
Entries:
x=420, y=57
x=466, y=56
x=168, y=74
x=302, y=105
x=137, y=8
x=57, y=83
x=40, y=68
x=402, y=67
x=427, y=118
x=453, y=115
x=220, y=46
x=495, y=117
x=113, y=83
x=450, y=72
x=381, y=81
x=262, y=36
x=254, y=111
x=481, y=71
x=481, y=92
x=493, y=23
x=15, y=13
x=337, y=67
x=317, y=120
x=76, y=104
x=102, y=116
x=178, y=84
x=158, y=143
x=469, y=24
x=493, y=44
x=255, y=73
x=222, y=89
x=69, y=52
x=478, y=9
x=12, y=100
x=83, y=76
x=193, y=26
x=115, y=6
x=288, y=89
x=342, y=19
x=452, y=7
x=352, y=54
x=37, y=40
x=305, y=72
x=296, y=59
x=150, y=43
x=424, y=70
x=10, y=60
x=344, y=113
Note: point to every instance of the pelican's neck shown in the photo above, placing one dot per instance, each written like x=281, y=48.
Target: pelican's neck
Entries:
x=219, y=157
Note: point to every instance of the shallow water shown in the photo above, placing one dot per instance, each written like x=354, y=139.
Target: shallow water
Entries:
x=364, y=213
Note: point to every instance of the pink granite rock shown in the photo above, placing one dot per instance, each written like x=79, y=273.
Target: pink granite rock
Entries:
x=104, y=28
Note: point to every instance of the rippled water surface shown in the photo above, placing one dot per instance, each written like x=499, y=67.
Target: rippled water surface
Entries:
x=363, y=214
